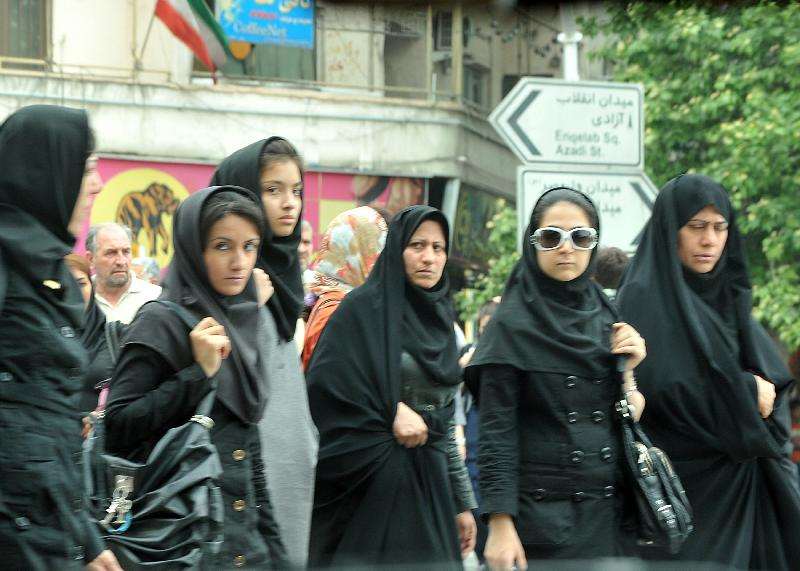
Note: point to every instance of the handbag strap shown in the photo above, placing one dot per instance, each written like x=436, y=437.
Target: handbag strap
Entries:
x=622, y=405
x=114, y=331
x=201, y=415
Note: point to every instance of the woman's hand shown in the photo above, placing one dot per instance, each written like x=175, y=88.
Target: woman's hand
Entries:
x=408, y=428
x=88, y=424
x=625, y=340
x=263, y=285
x=210, y=345
x=464, y=360
x=106, y=561
x=503, y=548
x=766, y=396
x=467, y=532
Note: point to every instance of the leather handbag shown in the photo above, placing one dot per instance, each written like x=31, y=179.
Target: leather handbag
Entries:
x=663, y=512
x=165, y=512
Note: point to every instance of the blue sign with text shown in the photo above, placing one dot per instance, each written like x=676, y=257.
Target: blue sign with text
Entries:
x=283, y=22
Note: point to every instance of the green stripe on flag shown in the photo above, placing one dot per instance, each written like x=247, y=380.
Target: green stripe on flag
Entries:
x=201, y=10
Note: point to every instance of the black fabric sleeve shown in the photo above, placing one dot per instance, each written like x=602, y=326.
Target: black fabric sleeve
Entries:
x=463, y=496
x=267, y=524
x=498, y=449
x=147, y=397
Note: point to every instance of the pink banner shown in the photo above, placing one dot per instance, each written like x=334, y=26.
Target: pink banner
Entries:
x=144, y=195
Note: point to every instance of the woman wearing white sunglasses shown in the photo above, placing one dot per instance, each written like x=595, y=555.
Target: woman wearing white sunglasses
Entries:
x=549, y=449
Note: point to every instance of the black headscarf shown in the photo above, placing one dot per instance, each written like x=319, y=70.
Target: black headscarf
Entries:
x=548, y=325
x=714, y=345
x=279, y=256
x=43, y=152
x=354, y=388
x=387, y=315
x=241, y=383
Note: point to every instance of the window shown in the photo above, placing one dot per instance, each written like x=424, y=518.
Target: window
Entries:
x=273, y=62
x=476, y=79
x=443, y=31
x=23, y=31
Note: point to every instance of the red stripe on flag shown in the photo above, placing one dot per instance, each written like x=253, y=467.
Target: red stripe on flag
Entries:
x=184, y=32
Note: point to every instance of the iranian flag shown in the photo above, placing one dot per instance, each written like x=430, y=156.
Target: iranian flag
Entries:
x=193, y=23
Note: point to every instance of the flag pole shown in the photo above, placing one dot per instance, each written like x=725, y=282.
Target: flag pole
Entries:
x=138, y=62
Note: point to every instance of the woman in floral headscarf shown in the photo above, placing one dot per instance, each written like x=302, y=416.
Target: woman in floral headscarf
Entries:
x=349, y=249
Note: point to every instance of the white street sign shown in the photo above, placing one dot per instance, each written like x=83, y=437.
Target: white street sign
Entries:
x=573, y=123
x=624, y=201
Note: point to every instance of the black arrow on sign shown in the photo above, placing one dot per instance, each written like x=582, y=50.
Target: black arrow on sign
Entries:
x=647, y=202
x=513, y=121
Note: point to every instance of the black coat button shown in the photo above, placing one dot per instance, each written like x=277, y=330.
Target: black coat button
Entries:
x=5, y=376
x=570, y=381
x=576, y=456
x=77, y=552
x=67, y=332
x=598, y=416
x=539, y=494
x=578, y=497
x=572, y=417
x=598, y=381
x=609, y=491
x=22, y=522
x=605, y=454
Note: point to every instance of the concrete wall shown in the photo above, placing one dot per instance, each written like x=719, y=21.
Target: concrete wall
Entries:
x=335, y=132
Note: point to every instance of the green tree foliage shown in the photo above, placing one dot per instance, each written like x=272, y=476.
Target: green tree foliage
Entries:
x=502, y=245
x=722, y=98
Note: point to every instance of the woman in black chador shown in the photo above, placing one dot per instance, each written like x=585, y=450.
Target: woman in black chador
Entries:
x=45, y=180
x=391, y=487
x=163, y=372
x=715, y=384
x=550, y=453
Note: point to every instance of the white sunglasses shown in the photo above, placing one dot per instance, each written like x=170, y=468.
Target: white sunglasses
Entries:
x=552, y=238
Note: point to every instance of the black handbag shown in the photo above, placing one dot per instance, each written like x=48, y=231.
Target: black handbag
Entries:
x=663, y=512
x=165, y=512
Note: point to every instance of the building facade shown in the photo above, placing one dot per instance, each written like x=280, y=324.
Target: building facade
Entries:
x=388, y=105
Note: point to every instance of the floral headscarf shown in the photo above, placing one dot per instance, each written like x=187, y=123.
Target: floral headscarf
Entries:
x=349, y=249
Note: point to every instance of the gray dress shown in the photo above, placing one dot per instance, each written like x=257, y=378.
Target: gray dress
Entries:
x=289, y=440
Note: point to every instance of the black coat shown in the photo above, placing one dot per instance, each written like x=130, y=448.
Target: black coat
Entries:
x=148, y=396
x=44, y=523
x=550, y=457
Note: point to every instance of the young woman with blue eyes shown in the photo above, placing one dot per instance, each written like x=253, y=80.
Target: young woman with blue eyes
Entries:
x=550, y=451
x=163, y=372
x=273, y=169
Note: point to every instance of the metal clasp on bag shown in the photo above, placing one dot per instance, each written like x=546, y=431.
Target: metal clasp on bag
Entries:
x=121, y=504
x=623, y=408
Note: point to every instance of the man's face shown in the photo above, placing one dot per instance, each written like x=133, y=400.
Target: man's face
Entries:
x=304, y=248
x=112, y=262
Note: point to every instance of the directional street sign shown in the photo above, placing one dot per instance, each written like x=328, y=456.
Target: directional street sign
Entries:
x=624, y=201
x=573, y=123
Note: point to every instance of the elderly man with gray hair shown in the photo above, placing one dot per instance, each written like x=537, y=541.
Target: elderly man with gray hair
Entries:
x=118, y=292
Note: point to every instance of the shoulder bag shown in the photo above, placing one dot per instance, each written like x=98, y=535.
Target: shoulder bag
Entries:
x=663, y=512
x=166, y=512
